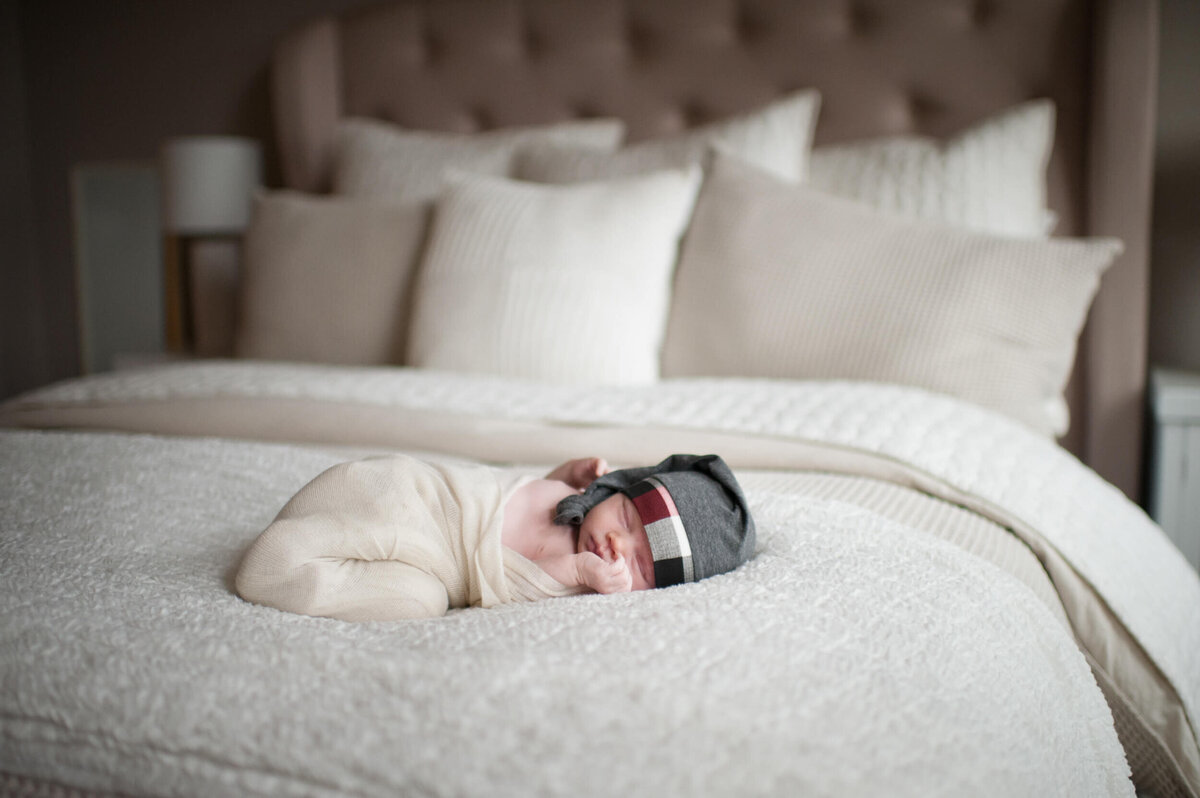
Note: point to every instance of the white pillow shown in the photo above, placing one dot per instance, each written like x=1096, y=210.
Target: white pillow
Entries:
x=991, y=178
x=382, y=161
x=567, y=284
x=778, y=280
x=776, y=138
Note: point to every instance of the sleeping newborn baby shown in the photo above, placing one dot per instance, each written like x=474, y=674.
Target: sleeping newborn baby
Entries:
x=393, y=537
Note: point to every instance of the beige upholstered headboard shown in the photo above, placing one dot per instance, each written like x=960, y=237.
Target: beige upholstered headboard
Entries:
x=883, y=67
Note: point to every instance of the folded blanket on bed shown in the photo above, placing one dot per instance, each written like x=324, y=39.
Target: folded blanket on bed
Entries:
x=390, y=538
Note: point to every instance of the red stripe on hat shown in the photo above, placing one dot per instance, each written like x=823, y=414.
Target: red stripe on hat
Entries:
x=655, y=505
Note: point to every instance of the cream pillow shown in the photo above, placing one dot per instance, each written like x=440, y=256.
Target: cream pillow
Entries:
x=991, y=178
x=382, y=161
x=327, y=279
x=776, y=280
x=568, y=284
x=776, y=138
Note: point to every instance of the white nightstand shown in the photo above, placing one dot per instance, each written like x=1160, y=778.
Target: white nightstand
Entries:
x=1175, y=458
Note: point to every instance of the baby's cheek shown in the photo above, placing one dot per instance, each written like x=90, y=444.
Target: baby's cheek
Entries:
x=647, y=561
x=641, y=580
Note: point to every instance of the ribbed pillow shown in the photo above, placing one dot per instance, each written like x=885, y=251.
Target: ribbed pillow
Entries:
x=777, y=280
x=327, y=280
x=382, y=161
x=567, y=284
x=990, y=178
x=776, y=138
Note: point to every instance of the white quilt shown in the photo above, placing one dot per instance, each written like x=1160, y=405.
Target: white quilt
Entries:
x=848, y=658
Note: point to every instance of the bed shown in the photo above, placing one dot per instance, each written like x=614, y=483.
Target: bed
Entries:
x=850, y=247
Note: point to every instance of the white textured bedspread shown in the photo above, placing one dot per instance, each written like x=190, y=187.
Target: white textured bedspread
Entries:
x=851, y=657
x=936, y=443
x=1131, y=598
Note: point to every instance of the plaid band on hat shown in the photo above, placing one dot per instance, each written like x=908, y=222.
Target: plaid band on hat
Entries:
x=668, y=540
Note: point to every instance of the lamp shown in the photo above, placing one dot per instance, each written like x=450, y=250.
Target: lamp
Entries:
x=207, y=186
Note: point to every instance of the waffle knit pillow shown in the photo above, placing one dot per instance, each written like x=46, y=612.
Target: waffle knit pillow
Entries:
x=990, y=178
x=382, y=161
x=567, y=284
x=776, y=138
x=327, y=279
x=777, y=280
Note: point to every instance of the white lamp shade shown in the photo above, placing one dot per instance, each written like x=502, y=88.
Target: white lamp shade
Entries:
x=208, y=183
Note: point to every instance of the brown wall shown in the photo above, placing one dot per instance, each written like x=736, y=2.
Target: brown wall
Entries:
x=1175, y=247
x=108, y=81
x=22, y=338
x=83, y=81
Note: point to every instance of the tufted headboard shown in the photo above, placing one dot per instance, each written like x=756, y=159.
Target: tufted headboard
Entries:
x=922, y=66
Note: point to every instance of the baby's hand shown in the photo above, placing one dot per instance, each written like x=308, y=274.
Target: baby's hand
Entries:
x=603, y=576
x=581, y=472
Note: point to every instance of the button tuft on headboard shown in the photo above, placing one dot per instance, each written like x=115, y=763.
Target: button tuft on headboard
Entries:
x=584, y=109
x=433, y=47
x=983, y=12
x=693, y=113
x=969, y=14
x=482, y=118
x=923, y=106
x=862, y=18
x=640, y=38
x=534, y=42
x=750, y=27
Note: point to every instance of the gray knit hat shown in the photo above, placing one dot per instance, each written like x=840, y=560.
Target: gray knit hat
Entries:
x=693, y=509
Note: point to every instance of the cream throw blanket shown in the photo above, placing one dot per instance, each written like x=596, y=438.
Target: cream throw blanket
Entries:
x=389, y=538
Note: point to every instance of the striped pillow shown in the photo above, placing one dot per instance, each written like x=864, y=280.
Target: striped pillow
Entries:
x=567, y=284
x=990, y=178
x=776, y=137
x=378, y=160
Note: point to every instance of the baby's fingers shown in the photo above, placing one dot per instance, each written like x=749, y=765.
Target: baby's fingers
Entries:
x=622, y=577
x=590, y=469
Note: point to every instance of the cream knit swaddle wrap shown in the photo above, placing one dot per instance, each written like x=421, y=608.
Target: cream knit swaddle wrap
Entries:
x=388, y=538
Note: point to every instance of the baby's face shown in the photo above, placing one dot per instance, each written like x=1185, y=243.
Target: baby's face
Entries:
x=613, y=528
